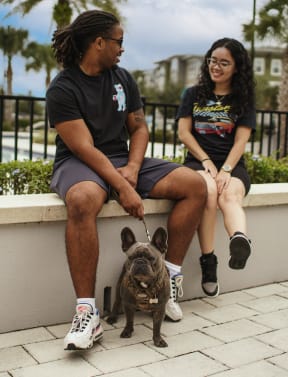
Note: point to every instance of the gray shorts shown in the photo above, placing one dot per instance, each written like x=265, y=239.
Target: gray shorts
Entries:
x=72, y=171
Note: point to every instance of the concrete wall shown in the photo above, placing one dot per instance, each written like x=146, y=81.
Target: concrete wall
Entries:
x=35, y=284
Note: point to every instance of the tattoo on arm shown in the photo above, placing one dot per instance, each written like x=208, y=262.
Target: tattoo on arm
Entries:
x=139, y=116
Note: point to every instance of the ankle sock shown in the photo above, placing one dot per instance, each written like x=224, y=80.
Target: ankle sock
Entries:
x=87, y=301
x=207, y=255
x=173, y=269
x=236, y=233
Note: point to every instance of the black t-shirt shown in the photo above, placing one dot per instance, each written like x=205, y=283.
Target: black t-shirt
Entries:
x=103, y=102
x=213, y=125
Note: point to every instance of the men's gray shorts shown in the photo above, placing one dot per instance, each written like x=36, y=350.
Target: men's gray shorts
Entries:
x=72, y=171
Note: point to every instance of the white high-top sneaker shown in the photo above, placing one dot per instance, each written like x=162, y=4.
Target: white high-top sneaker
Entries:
x=173, y=310
x=85, y=330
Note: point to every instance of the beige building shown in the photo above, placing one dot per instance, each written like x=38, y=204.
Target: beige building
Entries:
x=184, y=69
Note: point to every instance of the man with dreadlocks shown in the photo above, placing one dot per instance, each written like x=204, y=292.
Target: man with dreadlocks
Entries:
x=93, y=104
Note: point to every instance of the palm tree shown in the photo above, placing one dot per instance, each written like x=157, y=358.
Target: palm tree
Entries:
x=273, y=22
x=63, y=9
x=12, y=42
x=40, y=56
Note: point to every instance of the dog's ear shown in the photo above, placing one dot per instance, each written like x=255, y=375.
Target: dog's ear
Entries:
x=159, y=240
x=128, y=238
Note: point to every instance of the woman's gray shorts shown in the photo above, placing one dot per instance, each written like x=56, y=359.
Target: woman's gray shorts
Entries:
x=72, y=171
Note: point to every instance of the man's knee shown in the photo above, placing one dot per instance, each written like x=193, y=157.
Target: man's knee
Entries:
x=196, y=185
x=189, y=184
x=84, y=200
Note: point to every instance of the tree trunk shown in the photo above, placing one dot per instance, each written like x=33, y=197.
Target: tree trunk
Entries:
x=9, y=103
x=283, y=104
x=48, y=78
x=9, y=77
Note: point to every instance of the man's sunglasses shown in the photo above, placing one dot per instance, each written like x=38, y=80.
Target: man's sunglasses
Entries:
x=118, y=41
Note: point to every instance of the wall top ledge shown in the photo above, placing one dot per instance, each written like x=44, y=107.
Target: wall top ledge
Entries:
x=49, y=207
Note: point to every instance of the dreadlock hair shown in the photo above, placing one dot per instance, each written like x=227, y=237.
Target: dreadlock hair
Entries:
x=242, y=94
x=71, y=42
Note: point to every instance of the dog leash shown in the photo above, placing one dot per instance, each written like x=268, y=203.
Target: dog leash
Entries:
x=146, y=230
x=115, y=196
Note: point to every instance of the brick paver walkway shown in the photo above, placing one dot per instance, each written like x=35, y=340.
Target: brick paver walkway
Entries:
x=238, y=334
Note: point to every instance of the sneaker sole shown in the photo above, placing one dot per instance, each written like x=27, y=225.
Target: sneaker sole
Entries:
x=97, y=336
x=167, y=318
x=209, y=294
x=240, y=251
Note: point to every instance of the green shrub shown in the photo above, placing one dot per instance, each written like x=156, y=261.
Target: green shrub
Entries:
x=25, y=177
x=261, y=169
x=267, y=169
x=33, y=177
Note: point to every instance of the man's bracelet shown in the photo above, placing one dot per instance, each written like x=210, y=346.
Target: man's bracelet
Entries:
x=205, y=159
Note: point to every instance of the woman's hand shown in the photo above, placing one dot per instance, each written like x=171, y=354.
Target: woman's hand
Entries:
x=222, y=180
x=210, y=168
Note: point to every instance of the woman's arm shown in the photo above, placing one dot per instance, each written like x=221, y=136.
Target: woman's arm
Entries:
x=186, y=137
x=242, y=136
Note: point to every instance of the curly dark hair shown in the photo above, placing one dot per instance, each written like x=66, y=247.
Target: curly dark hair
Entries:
x=71, y=42
x=242, y=94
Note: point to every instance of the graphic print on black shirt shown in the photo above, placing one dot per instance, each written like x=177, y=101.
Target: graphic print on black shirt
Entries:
x=120, y=97
x=214, y=124
x=213, y=119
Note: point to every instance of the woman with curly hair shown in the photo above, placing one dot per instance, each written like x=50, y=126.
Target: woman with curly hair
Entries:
x=215, y=120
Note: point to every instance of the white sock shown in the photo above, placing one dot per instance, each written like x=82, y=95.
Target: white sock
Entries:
x=173, y=269
x=87, y=301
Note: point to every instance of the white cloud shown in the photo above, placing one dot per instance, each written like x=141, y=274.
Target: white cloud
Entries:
x=154, y=30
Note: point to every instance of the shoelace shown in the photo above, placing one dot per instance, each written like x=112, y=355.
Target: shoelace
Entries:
x=176, y=287
x=81, y=321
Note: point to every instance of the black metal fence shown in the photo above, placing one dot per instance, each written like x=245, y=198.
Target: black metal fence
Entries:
x=25, y=132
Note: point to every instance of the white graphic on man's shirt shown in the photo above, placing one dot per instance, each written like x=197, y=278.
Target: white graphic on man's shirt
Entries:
x=120, y=97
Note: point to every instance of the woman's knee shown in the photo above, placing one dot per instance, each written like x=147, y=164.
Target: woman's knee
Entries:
x=212, y=192
x=230, y=197
x=212, y=196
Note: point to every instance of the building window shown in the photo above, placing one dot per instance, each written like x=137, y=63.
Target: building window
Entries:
x=194, y=67
x=174, y=70
x=276, y=67
x=259, y=66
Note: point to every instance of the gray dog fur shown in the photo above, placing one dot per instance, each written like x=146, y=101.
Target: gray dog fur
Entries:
x=144, y=282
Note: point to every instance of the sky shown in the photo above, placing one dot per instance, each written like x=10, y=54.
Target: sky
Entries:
x=154, y=30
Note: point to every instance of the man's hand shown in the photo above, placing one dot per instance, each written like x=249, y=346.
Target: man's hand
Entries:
x=130, y=200
x=130, y=173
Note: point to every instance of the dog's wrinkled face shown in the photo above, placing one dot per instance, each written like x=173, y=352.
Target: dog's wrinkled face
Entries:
x=144, y=260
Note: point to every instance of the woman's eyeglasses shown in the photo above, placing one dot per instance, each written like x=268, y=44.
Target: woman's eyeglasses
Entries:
x=221, y=63
x=118, y=41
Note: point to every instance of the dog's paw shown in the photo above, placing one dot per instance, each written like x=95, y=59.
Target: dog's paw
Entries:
x=160, y=342
x=127, y=332
x=111, y=319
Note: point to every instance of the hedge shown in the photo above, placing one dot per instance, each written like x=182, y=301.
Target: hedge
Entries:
x=25, y=177
x=33, y=177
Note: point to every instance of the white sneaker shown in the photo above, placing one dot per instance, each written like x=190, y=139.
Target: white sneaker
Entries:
x=85, y=330
x=173, y=310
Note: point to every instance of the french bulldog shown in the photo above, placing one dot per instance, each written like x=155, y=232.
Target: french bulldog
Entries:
x=144, y=282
